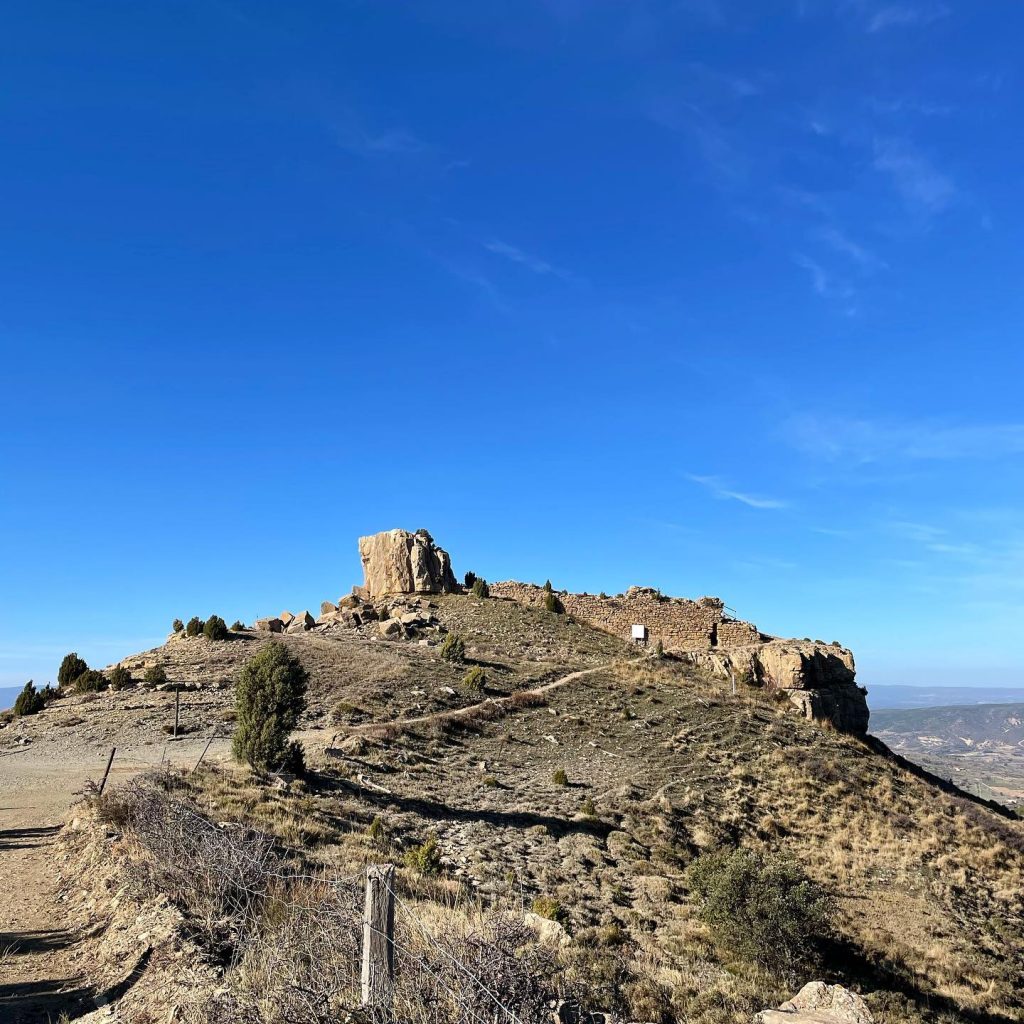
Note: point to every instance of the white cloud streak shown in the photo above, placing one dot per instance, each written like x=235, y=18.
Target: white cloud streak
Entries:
x=919, y=182
x=868, y=441
x=725, y=493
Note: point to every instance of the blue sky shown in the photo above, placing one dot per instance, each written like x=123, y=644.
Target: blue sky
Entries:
x=713, y=296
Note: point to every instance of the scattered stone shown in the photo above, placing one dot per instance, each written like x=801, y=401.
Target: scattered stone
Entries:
x=328, y=607
x=818, y=1003
x=390, y=629
x=270, y=625
x=301, y=623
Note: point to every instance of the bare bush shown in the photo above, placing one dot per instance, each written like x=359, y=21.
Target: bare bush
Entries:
x=305, y=966
x=218, y=874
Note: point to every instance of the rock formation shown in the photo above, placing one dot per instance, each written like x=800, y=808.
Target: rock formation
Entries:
x=818, y=678
x=399, y=562
x=818, y=1003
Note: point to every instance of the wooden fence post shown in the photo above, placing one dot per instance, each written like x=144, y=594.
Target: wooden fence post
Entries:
x=110, y=761
x=379, y=936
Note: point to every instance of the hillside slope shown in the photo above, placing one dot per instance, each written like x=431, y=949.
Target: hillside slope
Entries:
x=660, y=763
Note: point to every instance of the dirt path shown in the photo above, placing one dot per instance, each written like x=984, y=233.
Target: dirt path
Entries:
x=39, y=977
x=489, y=704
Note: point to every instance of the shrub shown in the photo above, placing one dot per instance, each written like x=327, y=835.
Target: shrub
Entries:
x=120, y=678
x=269, y=697
x=659, y=650
x=195, y=626
x=761, y=907
x=470, y=579
x=480, y=588
x=559, y=778
x=588, y=809
x=547, y=586
x=425, y=858
x=29, y=701
x=177, y=625
x=90, y=681
x=377, y=833
x=237, y=625
x=70, y=669
x=215, y=628
x=549, y=907
x=453, y=649
x=474, y=680
x=603, y=596
x=552, y=604
x=156, y=675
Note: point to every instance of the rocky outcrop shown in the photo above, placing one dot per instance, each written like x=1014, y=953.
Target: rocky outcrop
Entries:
x=399, y=562
x=818, y=1003
x=818, y=678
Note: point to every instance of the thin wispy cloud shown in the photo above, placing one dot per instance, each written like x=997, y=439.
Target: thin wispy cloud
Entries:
x=906, y=16
x=722, y=491
x=868, y=441
x=922, y=186
x=841, y=243
x=525, y=259
x=825, y=283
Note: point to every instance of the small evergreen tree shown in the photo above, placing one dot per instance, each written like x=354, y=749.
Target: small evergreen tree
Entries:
x=270, y=696
x=237, y=625
x=177, y=625
x=474, y=681
x=547, y=586
x=453, y=649
x=90, y=681
x=120, y=678
x=195, y=626
x=470, y=579
x=215, y=628
x=70, y=669
x=480, y=588
x=155, y=675
x=29, y=701
x=552, y=604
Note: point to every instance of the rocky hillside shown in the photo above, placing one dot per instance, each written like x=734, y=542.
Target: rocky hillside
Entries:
x=577, y=780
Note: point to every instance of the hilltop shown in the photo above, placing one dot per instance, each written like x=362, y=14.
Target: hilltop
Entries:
x=581, y=778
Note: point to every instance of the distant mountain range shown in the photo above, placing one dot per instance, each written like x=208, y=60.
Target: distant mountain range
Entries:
x=881, y=697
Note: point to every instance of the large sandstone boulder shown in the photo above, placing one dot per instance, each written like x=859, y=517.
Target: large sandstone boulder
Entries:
x=301, y=623
x=818, y=1003
x=399, y=562
x=270, y=625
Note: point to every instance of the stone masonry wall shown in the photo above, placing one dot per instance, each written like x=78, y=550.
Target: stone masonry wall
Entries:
x=680, y=624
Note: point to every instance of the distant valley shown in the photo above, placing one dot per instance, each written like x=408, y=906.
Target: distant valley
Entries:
x=979, y=746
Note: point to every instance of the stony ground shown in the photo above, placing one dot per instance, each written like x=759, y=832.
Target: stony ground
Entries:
x=659, y=762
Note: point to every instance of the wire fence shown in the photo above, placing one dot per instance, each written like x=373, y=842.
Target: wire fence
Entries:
x=304, y=945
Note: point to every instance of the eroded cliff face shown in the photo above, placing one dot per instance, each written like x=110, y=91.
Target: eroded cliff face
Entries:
x=399, y=562
x=820, y=679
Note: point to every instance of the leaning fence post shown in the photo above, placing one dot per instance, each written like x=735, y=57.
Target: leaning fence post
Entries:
x=110, y=761
x=379, y=936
